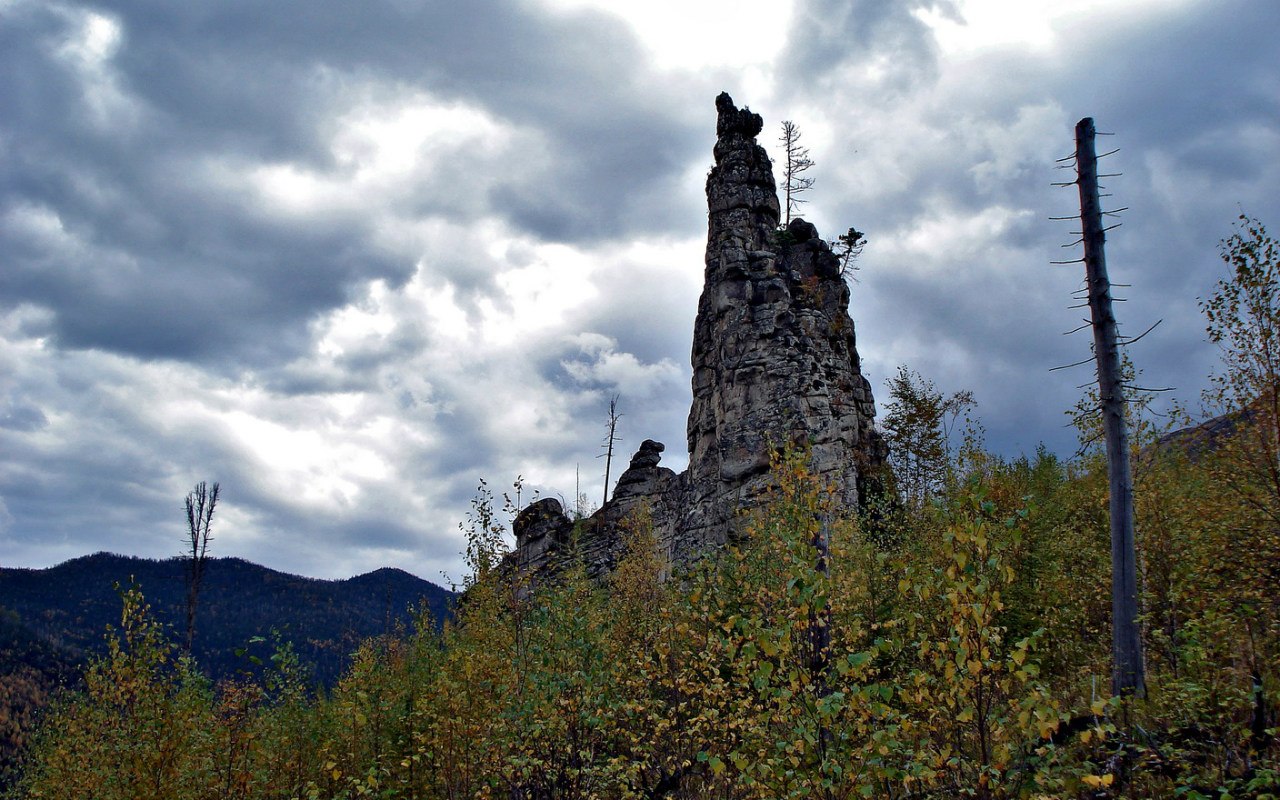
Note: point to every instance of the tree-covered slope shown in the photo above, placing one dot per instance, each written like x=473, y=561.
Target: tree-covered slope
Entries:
x=70, y=605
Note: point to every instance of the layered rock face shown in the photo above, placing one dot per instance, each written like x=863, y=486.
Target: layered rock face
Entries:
x=774, y=363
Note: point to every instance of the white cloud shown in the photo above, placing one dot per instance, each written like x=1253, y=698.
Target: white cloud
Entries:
x=622, y=373
x=1038, y=25
x=709, y=33
x=92, y=41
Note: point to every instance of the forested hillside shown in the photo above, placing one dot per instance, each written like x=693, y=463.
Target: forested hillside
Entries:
x=32, y=670
x=70, y=605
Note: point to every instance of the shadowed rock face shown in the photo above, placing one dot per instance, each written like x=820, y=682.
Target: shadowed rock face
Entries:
x=774, y=362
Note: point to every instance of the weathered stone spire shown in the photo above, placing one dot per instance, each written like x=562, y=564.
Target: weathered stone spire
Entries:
x=774, y=357
x=742, y=223
x=774, y=362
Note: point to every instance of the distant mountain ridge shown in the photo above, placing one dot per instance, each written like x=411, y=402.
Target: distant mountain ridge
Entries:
x=68, y=607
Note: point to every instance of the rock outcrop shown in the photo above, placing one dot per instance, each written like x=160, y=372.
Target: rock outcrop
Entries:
x=774, y=362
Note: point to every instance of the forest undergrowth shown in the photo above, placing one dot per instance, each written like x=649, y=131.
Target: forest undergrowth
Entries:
x=958, y=648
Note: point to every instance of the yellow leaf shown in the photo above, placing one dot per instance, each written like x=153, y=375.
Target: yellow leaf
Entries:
x=1086, y=737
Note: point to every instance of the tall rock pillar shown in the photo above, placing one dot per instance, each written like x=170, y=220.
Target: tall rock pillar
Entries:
x=774, y=356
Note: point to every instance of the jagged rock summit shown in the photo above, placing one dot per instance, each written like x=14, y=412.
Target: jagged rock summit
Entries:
x=774, y=362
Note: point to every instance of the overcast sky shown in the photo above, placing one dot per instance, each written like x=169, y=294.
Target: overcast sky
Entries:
x=348, y=258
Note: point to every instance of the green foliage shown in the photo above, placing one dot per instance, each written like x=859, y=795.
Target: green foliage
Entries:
x=1243, y=315
x=485, y=535
x=783, y=239
x=847, y=247
x=919, y=425
x=137, y=730
x=984, y=717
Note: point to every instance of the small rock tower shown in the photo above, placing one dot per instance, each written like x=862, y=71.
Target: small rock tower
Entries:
x=774, y=362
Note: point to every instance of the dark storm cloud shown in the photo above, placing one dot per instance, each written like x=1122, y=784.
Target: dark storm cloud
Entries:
x=610, y=179
x=147, y=253
x=112, y=480
x=887, y=35
x=19, y=415
x=208, y=299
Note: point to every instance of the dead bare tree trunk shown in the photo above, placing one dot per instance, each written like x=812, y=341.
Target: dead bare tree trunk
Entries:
x=820, y=633
x=1127, y=673
x=609, y=441
x=200, y=504
x=797, y=161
